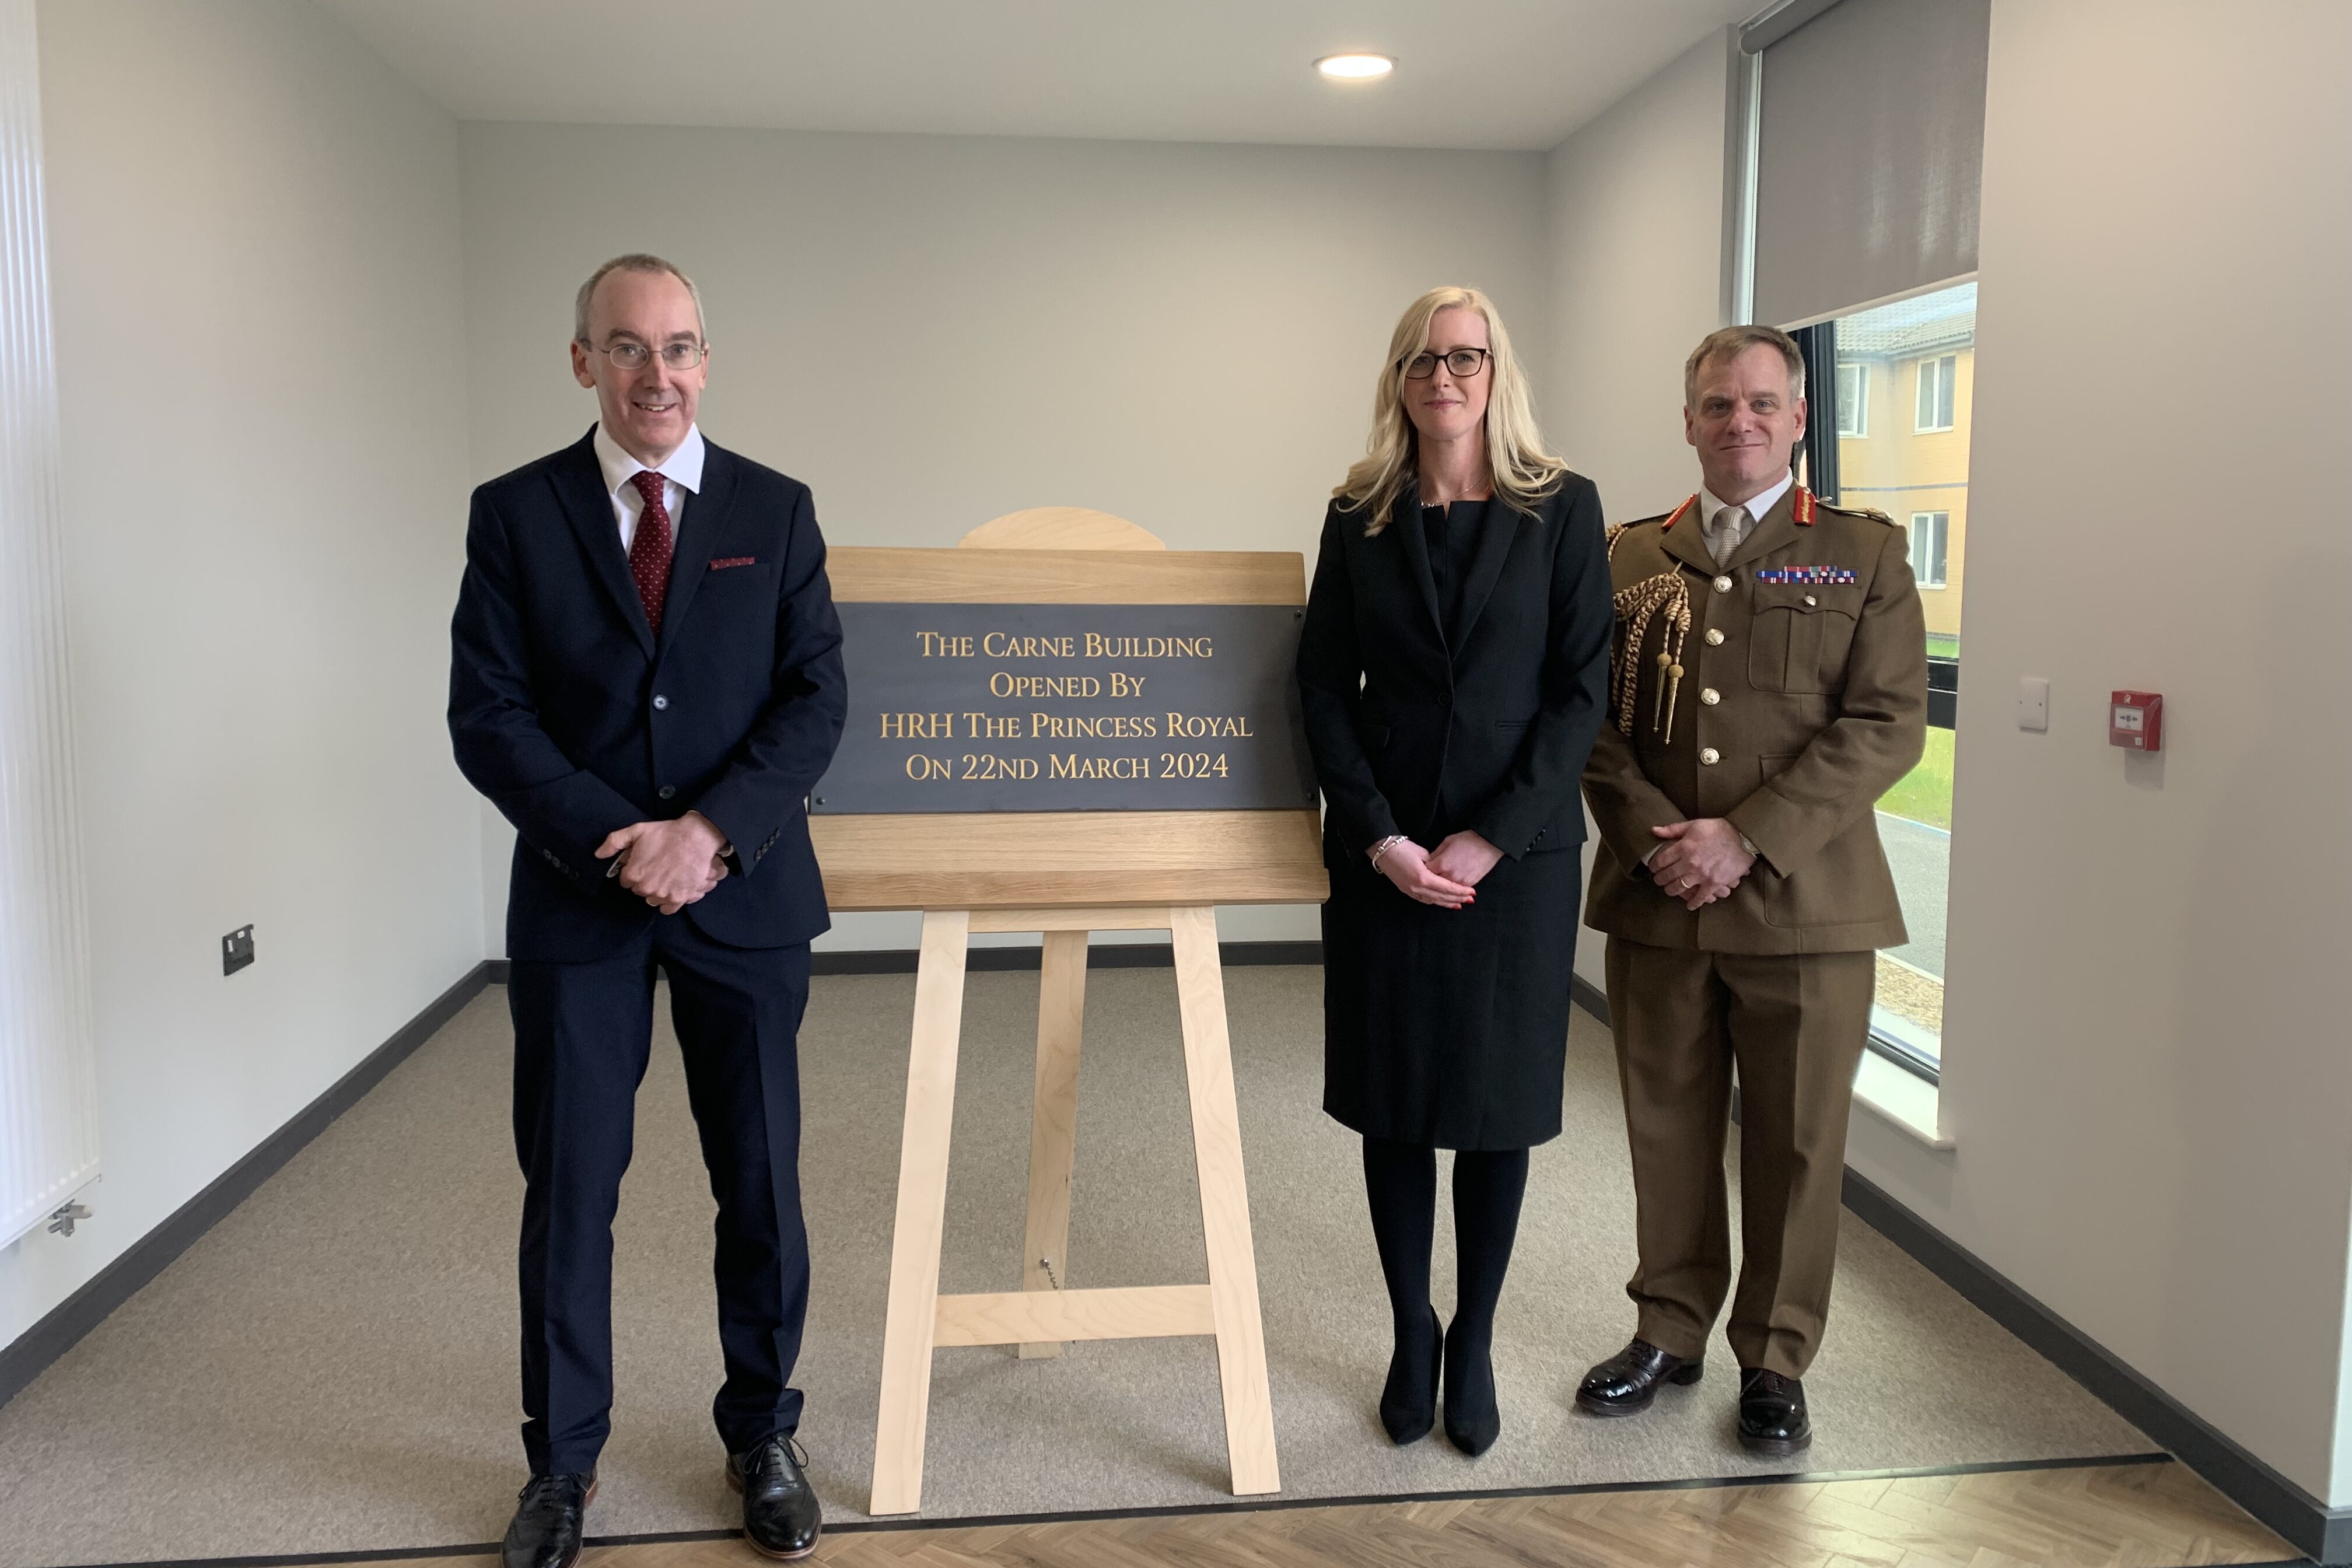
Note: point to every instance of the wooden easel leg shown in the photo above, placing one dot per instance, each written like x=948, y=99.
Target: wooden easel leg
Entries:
x=907, y=1331
x=1053, y=1119
x=1224, y=1203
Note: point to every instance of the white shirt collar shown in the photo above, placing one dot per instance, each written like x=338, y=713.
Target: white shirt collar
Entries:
x=1758, y=505
x=682, y=468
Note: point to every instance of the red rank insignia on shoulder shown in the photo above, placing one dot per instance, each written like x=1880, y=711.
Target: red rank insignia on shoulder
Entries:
x=1802, y=505
x=1675, y=516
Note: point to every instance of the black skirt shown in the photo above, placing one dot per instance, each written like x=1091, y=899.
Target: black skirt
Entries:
x=1449, y=1026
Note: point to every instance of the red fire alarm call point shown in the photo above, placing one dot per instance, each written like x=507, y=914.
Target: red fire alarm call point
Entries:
x=2136, y=721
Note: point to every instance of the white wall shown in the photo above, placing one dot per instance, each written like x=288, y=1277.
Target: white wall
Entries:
x=254, y=252
x=1635, y=249
x=2146, y=1065
x=932, y=331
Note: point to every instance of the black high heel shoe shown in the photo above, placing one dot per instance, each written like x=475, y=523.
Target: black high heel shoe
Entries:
x=1472, y=1420
x=1409, y=1401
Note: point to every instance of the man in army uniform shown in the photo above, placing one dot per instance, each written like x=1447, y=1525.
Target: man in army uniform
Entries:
x=1770, y=684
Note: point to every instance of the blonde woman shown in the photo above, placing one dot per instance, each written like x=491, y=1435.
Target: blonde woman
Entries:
x=1452, y=671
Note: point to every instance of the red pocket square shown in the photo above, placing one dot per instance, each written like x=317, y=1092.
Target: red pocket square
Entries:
x=724, y=561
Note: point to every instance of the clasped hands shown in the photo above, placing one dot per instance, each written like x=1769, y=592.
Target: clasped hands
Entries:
x=1447, y=876
x=1700, y=861
x=667, y=864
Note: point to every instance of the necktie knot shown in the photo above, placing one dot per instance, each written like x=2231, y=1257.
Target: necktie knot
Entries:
x=1730, y=523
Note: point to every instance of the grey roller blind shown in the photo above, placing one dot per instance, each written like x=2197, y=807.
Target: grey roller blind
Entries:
x=1870, y=152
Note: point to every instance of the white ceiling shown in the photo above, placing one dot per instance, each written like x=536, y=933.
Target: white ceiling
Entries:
x=1518, y=74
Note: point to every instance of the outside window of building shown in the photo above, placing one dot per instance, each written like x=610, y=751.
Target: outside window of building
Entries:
x=1928, y=529
x=1939, y=379
x=1853, y=400
x=1918, y=477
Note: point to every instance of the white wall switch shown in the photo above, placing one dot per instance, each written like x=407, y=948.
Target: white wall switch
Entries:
x=2032, y=702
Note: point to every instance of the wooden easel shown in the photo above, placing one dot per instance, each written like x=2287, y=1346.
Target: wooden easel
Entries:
x=1065, y=875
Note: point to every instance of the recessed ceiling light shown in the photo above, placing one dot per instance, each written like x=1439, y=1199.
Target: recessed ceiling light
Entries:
x=1355, y=68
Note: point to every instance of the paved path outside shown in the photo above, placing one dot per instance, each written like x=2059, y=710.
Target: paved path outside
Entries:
x=1922, y=859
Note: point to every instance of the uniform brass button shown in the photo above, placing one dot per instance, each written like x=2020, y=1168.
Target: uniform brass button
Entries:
x=1710, y=756
x=1710, y=697
x=1810, y=600
x=1714, y=636
x=1723, y=585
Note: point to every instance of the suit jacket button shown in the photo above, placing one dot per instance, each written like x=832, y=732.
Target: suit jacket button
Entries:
x=667, y=791
x=1710, y=757
x=660, y=703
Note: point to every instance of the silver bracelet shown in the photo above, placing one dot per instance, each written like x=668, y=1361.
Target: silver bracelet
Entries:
x=1383, y=847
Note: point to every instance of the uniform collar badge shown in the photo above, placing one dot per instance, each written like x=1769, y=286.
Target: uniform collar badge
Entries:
x=1802, y=507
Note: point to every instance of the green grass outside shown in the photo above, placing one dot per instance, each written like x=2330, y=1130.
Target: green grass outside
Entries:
x=1925, y=793
x=1943, y=645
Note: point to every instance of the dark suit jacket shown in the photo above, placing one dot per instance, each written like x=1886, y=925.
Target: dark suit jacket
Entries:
x=574, y=720
x=1424, y=733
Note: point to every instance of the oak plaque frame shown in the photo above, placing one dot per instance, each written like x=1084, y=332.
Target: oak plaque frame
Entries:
x=1064, y=874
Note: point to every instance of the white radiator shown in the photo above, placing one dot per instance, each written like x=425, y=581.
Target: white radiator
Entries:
x=49, y=1079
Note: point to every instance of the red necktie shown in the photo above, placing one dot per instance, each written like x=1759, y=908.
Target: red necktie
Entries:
x=649, y=551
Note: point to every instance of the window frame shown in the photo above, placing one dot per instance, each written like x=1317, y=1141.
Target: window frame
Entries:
x=1935, y=397
x=1941, y=530
x=1860, y=405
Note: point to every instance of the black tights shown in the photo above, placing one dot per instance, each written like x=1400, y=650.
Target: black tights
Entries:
x=1401, y=1180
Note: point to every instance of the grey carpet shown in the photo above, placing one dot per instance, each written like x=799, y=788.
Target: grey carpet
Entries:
x=332, y=1367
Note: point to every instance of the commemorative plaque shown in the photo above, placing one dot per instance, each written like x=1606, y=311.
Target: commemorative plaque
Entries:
x=1062, y=707
x=1064, y=727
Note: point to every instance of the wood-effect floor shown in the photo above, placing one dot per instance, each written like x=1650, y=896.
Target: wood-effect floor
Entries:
x=2152, y=1515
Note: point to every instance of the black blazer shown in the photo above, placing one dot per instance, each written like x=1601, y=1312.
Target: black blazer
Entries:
x=1423, y=734
x=574, y=721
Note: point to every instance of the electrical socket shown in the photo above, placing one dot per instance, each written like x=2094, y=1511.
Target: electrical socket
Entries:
x=236, y=949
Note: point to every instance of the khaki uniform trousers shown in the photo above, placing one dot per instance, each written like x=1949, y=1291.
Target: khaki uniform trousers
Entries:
x=1795, y=1023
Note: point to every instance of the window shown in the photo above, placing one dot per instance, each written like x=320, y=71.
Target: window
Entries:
x=1939, y=379
x=1926, y=484
x=1928, y=532
x=1852, y=401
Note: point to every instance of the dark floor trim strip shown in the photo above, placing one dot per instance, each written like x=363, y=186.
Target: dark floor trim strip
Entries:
x=1588, y=996
x=1243, y=1504
x=31, y=1353
x=1107, y=955
x=2306, y=1523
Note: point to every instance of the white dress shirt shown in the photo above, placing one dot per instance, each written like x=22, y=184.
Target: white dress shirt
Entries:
x=681, y=474
x=1756, y=505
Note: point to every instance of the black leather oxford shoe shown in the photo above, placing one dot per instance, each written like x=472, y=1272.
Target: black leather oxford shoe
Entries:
x=780, y=1512
x=548, y=1522
x=1627, y=1382
x=1773, y=1418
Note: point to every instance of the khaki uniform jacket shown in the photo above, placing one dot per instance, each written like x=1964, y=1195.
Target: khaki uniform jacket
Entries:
x=1803, y=699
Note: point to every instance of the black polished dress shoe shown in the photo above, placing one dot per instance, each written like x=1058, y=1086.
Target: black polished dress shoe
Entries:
x=780, y=1512
x=547, y=1525
x=1627, y=1382
x=1773, y=1418
x=1472, y=1420
x=1408, y=1401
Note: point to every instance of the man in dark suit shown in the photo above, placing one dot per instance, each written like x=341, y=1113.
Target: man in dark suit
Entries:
x=647, y=681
